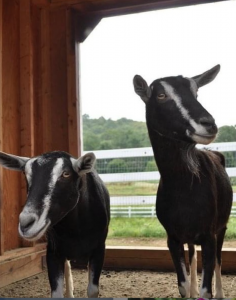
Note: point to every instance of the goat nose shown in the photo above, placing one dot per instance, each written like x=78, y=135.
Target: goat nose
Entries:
x=208, y=123
x=26, y=221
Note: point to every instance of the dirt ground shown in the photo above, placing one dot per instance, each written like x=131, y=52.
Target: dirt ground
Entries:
x=116, y=283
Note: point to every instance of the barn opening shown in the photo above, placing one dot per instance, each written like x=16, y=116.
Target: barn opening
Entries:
x=114, y=118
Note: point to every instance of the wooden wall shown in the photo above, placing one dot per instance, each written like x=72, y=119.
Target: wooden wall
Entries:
x=38, y=97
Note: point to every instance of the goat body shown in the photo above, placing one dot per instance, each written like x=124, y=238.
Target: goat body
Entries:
x=68, y=201
x=194, y=196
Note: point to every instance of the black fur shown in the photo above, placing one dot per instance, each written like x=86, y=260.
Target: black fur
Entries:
x=194, y=197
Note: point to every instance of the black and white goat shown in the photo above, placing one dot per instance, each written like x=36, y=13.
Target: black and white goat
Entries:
x=68, y=201
x=194, y=197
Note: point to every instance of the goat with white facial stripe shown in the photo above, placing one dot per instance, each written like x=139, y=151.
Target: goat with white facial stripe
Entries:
x=194, y=197
x=68, y=201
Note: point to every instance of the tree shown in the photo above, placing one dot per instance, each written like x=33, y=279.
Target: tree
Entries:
x=226, y=134
x=102, y=134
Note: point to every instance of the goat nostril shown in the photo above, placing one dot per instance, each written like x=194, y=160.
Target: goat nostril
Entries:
x=26, y=223
x=208, y=123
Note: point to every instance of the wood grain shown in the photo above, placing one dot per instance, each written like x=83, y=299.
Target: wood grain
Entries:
x=58, y=79
x=46, y=80
x=11, y=193
x=73, y=113
x=1, y=125
x=19, y=267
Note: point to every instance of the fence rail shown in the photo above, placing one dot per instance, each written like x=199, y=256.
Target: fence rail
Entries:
x=137, y=211
x=138, y=156
x=148, y=152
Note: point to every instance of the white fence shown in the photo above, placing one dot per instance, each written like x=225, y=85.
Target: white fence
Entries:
x=147, y=152
x=137, y=211
x=147, y=176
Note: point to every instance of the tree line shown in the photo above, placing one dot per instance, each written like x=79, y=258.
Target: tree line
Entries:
x=105, y=134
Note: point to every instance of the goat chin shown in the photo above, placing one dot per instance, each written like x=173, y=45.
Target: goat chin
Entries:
x=34, y=235
x=201, y=139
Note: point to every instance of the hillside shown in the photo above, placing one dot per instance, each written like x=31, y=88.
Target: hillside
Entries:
x=102, y=134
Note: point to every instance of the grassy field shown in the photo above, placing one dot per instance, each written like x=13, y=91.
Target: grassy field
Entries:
x=150, y=227
x=139, y=188
x=145, y=227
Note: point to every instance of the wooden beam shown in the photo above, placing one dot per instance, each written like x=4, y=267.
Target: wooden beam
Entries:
x=153, y=258
x=71, y=84
x=46, y=80
x=38, y=115
x=121, y=7
x=1, y=125
x=41, y=3
x=85, y=25
x=26, y=80
x=26, y=91
x=157, y=258
x=58, y=79
x=109, y=8
x=21, y=263
x=10, y=122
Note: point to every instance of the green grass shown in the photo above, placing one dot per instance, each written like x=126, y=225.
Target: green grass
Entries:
x=132, y=188
x=139, y=188
x=135, y=227
x=150, y=227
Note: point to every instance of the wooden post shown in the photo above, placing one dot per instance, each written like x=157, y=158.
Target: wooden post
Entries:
x=26, y=91
x=26, y=80
x=71, y=84
x=10, y=122
x=1, y=210
x=46, y=84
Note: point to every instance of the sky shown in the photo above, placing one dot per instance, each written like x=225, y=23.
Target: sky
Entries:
x=181, y=41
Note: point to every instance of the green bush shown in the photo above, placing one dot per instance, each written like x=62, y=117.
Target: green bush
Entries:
x=117, y=165
x=151, y=166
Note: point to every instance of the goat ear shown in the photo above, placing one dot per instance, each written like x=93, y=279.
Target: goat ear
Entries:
x=141, y=88
x=207, y=77
x=85, y=163
x=12, y=162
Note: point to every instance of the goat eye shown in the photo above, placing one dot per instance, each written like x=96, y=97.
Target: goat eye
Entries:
x=161, y=96
x=66, y=174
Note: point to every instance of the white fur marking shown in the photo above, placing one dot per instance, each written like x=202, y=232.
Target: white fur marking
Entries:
x=28, y=170
x=184, y=112
x=41, y=222
x=184, y=289
x=193, y=277
x=219, y=293
x=58, y=293
x=92, y=289
x=204, y=292
x=69, y=280
x=193, y=86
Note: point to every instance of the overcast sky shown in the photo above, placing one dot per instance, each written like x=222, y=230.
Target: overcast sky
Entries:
x=182, y=41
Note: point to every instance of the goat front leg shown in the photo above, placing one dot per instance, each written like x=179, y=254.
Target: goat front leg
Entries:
x=208, y=265
x=177, y=252
x=94, y=270
x=219, y=293
x=193, y=271
x=55, y=264
x=69, y=280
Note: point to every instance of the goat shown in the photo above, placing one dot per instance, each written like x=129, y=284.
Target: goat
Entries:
x=194, y=196
x=68, y=201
